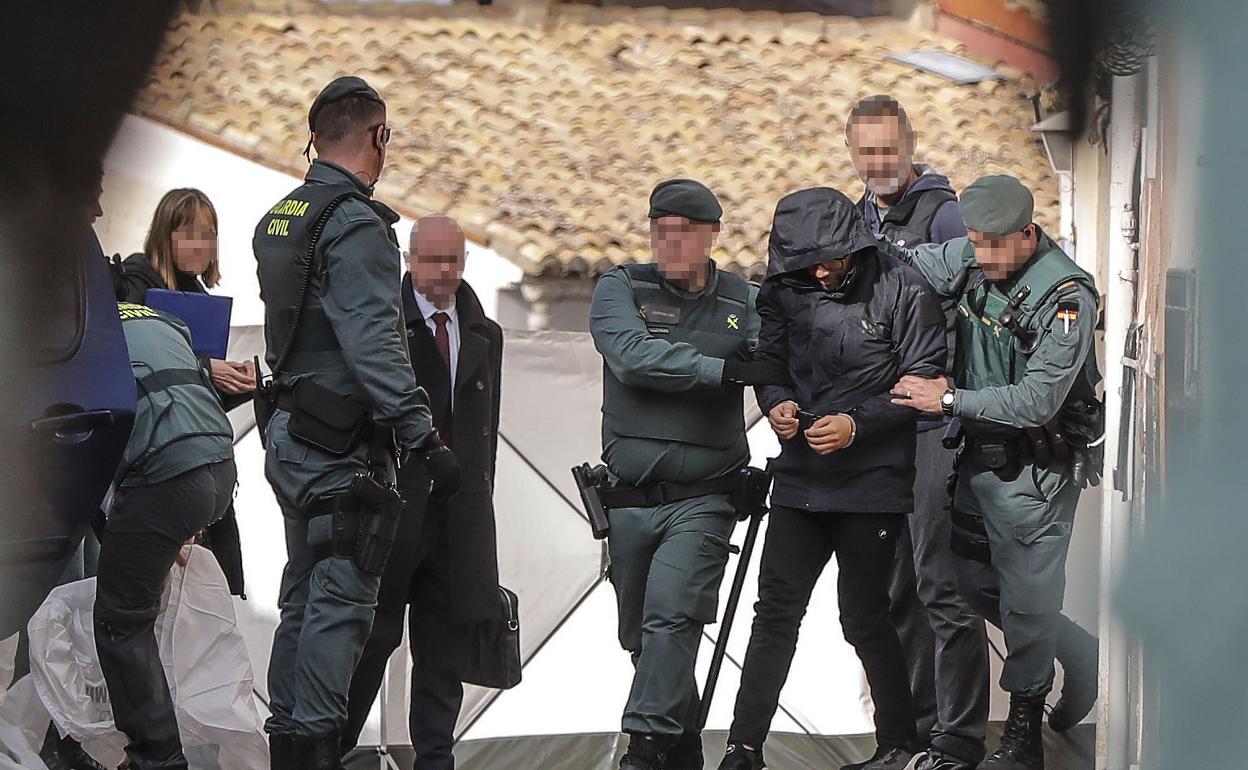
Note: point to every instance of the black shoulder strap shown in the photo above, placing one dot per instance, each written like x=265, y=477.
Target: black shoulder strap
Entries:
x=305, y=280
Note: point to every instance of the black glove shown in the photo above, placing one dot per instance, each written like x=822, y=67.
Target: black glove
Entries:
x=1083, y=422
x=442, y=467
x=767, y=371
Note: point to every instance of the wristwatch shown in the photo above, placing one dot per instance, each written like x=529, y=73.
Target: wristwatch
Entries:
x=946, y=401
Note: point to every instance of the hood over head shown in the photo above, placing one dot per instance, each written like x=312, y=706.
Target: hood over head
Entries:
x=812, y=226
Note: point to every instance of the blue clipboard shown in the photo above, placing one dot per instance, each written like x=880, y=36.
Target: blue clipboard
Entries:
x=207, y=316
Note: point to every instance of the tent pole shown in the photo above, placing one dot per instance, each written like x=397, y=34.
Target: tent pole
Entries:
x=730, y=611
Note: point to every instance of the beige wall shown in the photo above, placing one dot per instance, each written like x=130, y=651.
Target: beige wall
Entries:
x=1091, y=226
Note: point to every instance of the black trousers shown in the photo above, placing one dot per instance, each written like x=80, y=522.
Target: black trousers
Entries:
x=944, y=640
x=418, y=573
x=142, y=538
x=798, y=547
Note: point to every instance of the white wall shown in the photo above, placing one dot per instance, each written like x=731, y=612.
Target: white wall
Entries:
x=148, y=159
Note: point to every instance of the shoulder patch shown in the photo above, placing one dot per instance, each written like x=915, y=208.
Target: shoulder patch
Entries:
x=1068, y=309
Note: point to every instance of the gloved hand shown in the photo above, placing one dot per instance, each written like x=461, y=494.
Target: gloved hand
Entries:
x=1085, y=466
x=1083, y=422
x=443, y=468
x=766, y=371
x=1082, y=419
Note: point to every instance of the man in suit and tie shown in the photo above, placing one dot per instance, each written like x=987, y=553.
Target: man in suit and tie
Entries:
x=445, y=562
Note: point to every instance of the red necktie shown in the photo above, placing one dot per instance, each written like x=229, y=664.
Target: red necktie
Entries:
x=443, y=341
x=441, y=338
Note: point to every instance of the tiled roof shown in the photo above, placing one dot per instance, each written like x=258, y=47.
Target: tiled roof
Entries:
x=545, y=141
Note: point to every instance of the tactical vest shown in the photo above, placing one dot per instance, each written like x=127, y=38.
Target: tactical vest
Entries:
x=714, y=324
x=177, y=404
x=283, y=244
x=909, y=222
x=998, y=331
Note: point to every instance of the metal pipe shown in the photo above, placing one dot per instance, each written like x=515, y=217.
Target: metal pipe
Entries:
x=1115, y=709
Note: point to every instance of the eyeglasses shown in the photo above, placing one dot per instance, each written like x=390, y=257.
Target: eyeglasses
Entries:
x=834, y=264
x=385, y=134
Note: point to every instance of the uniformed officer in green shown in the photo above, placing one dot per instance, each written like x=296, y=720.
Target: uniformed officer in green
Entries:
x=177, y=477
x=346, y=404
x=1025, y=354
x=676, y=338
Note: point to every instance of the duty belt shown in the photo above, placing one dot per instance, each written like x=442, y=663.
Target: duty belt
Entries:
x=659, y=493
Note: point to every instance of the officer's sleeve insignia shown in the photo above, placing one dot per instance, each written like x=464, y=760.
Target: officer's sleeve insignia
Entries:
x=930, y=313
x=1067, y=315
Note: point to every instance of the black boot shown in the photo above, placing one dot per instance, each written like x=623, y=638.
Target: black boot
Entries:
x=282, y=754
x=1022, y=745
x=740, y=757
x=321, y=752
x=646, y=752
x=1079, y=653
x=686, y=753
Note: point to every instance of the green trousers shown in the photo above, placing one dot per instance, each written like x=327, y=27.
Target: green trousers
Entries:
x=666, y=565
x=1029, y=521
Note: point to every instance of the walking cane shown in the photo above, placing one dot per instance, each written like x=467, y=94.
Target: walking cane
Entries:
x=730, y=611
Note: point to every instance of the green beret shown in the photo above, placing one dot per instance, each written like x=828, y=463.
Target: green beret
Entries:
x=685, y=198
x=999, y=205
x=341, y=88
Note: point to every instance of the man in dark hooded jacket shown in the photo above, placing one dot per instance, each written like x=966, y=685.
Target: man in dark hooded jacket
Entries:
x=944, y=640
x=842, y=316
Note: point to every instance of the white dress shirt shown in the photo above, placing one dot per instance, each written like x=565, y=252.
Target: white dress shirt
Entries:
x=427, y=310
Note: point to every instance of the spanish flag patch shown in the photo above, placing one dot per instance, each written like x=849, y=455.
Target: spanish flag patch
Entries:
x=1067, y=315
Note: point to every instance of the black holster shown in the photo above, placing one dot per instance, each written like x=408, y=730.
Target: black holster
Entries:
x=365, y=524
x=323, y=419
x=264, y=404
x=589, y=482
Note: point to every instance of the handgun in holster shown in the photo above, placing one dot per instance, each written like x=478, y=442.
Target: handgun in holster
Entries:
x=749, y=497
x=370, y=509
x=590, y=481
x=263, y=403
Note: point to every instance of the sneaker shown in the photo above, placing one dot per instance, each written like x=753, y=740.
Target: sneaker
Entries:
x=884, y=759
x=738, y=757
